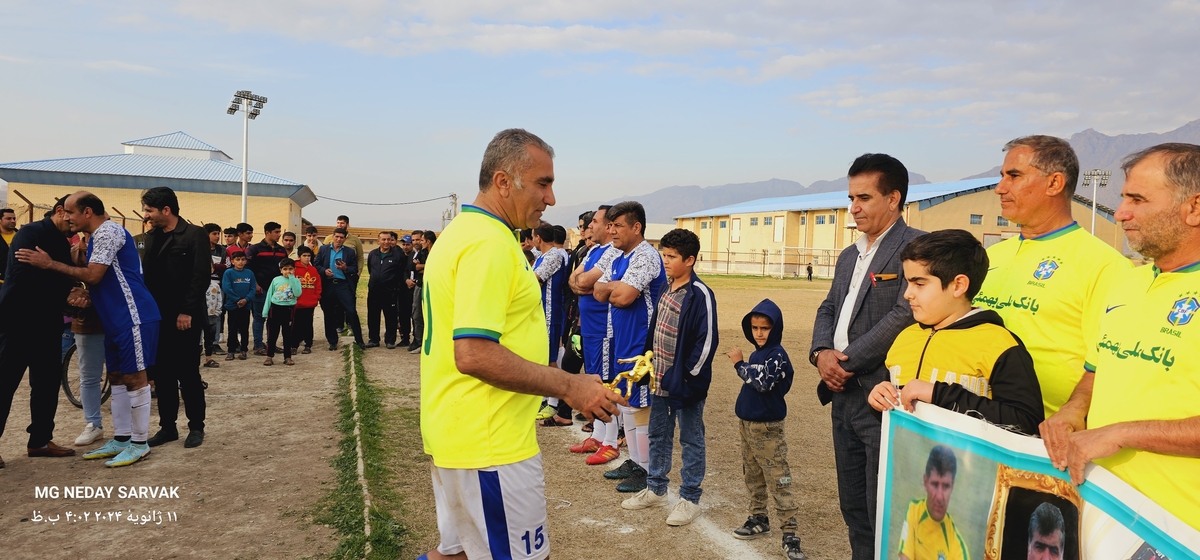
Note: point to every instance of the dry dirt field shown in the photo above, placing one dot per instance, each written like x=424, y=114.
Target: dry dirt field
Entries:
x=247, y=492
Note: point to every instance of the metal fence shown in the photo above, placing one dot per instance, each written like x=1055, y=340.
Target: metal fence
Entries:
x=783, y=262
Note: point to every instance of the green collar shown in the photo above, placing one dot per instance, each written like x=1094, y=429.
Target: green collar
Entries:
x=1056, y=233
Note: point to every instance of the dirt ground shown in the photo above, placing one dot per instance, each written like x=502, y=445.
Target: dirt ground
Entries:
x=584, y=509
x=242, y=494
x=246, y=492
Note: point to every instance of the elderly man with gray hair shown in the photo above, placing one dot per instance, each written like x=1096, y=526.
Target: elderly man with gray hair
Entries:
x=1047, y=282
x=485, y=352
x=1134, y=410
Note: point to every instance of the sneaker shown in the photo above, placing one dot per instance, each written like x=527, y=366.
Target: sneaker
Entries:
x=390, y=345
x=683, y=513
x=546, y=412
x=416, y=350
x=217, y=349
x=588, y=445
x=371, y=344
x=636, y=481
x=603, y=455
x=621, y=472
x=756, y=526
x=645, y=499
x=130, y=455
x=110, y=449
x=416, y=345
x=404, y=341
x=791, y=547
x=90, y=434
x=332, y=347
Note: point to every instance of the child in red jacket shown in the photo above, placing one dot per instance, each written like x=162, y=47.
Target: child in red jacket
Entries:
x=310, y=295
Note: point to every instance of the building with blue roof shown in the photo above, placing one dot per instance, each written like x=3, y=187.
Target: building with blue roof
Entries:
x=207, y=181
x=781, y=235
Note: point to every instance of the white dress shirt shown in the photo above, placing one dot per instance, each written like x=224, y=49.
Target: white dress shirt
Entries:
x=866, y=254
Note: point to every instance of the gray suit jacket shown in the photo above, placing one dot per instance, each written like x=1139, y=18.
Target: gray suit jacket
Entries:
x=880, y=311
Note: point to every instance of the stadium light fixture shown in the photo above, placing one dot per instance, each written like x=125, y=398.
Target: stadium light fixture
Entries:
x=1099, y=179
x=251, y=106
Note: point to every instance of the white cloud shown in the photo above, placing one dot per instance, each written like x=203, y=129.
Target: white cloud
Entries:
x=1119, y=66
x=118, y=66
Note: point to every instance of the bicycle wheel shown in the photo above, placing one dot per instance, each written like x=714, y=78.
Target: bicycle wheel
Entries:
x=71, y=380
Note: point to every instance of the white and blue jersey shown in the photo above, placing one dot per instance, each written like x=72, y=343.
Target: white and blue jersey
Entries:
x=641, y=269
x=122, y=300
x=551, y=271
x=593, y=317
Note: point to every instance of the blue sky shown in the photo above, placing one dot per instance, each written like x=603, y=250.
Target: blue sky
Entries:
x=391, y=102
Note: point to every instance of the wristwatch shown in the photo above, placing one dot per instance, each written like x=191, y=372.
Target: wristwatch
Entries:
x=812, y=358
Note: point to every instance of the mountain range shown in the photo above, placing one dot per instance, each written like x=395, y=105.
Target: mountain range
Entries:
x=1096, y=150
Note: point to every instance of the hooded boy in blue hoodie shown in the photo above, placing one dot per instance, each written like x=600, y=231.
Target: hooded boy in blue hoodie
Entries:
x=761, y=409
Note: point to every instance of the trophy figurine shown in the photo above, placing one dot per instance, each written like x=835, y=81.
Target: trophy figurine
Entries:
x=642, y=366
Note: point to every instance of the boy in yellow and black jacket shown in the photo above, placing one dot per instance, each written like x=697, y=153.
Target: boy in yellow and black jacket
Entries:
x=955, y=356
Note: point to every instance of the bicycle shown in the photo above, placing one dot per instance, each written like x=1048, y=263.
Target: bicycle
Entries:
x=71, y=380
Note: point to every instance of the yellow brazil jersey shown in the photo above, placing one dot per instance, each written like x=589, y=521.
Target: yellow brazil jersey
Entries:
x=478, y=285
x=1049, y=290
x=922, y=538
x=1147, y=363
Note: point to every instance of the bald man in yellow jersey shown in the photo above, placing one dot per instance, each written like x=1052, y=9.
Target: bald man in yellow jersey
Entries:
x=1047, y=283
x=1135, y=411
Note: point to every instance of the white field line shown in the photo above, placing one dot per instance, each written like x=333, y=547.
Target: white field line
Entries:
x=719, y=537
x=362, y=479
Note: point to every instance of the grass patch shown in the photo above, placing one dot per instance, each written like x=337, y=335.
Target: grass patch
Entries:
x=342, y=507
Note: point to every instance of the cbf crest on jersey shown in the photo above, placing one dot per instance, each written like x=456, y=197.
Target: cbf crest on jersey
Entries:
x=1183, y=311
x=1045, y=269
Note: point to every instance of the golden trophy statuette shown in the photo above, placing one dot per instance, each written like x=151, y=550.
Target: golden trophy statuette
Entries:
x=642, y=366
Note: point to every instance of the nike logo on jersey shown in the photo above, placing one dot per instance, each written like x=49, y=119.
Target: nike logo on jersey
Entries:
x=1113, y=307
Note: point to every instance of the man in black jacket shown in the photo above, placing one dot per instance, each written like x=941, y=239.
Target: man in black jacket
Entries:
x=404, y=293
x=388, y=268
x=8, y=229
x=31, y=302
x=176, y=268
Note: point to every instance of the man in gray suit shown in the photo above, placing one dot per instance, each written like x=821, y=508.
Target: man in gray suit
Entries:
x=855, y=326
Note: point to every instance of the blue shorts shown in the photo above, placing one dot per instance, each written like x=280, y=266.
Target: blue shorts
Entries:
x=131, y=349
x=555, y=332
x=598, y=357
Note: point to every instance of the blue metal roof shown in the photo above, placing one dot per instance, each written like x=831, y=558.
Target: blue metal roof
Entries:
x=928, y=195
x=178, y=139
x=140, y=165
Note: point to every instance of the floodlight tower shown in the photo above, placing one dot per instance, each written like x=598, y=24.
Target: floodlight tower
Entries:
x=251, y=106
x=1099, y=179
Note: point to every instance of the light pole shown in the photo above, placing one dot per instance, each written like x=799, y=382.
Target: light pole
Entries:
x=250, y=105
x=1098, y=178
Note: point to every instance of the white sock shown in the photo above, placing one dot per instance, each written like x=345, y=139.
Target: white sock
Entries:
x=139, y=405
x=611, y=430
x=630, y=434
x=552, y=401
x=642, y=443
x=121, y=418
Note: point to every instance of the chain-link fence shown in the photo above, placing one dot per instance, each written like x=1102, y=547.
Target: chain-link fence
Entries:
x=790, y=262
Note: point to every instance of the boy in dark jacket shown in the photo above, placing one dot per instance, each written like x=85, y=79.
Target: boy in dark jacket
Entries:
x=955, y=356
x=683, y=338
x=761, y=409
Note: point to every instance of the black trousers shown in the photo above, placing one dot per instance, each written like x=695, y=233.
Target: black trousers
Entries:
x=280, y=318
x=382, y=301
x=338, y=303
x=177, y=371
x=857, y=431
x=38, y=349
x=404, y=297
x=302, y=327
x=570, y=364
x=239, y=329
